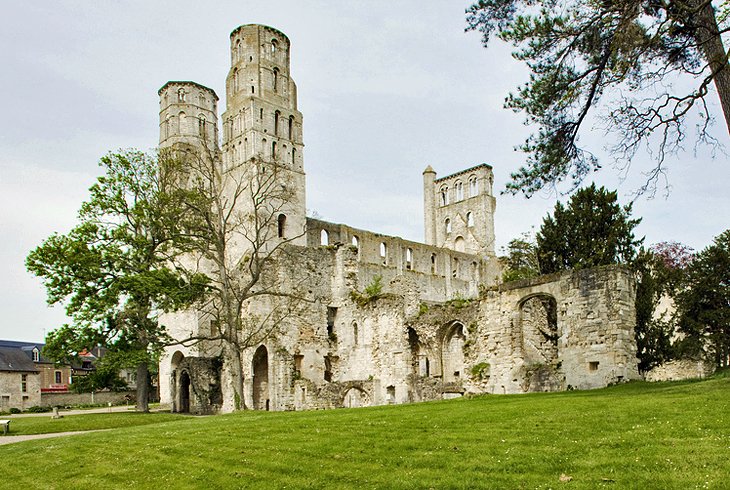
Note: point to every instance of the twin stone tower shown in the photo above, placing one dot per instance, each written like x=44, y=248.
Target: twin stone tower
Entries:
x=442, y=325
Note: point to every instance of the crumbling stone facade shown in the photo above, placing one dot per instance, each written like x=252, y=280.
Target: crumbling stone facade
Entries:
x=386, y=320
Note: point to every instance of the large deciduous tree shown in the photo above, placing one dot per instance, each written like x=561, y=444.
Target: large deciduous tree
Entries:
x=704, y=304
x=627, y=52
x=234, y=214
x=592, y=230
x=112, y=271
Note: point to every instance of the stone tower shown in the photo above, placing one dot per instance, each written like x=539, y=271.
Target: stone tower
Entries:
x=188, y=115
x=459, y=210
x=261, y=119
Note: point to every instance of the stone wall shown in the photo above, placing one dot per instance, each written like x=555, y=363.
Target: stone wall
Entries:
x=102, y=397
x=11, y=393
x=680, y=369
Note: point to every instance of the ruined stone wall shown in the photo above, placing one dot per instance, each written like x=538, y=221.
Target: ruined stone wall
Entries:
x=680, y=369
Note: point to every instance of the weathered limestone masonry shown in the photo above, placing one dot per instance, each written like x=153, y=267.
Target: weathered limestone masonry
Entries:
x=385, y=320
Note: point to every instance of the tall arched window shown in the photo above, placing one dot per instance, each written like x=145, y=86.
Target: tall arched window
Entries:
x=384, y=252
x=473, y=186
x=293, y=155
x=409, y=258
x=235, y=80
x=469, y=219
x=355, y=241
x=324, y=238
x=354, y=332
x=181, y=95
x=447, y=225
x=273, y=150
x=291, y=128
x=444, y=196
x=277, y=115
x=276, y=80
x=274, y=46
x=201, y=125
x=433, y=263
x=281, y=225
x=459, y=191
x=238, y=49
x=183, y=124
x=455, y=271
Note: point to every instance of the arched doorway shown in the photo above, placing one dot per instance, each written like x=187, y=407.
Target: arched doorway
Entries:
x=184, y=392
x=261, y=379
x=539, y=321
x=453, y=353
x=355, y=397
x=177, y=358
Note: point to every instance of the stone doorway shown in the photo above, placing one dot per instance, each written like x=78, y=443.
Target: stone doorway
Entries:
x=184, y=392
x=261, y=379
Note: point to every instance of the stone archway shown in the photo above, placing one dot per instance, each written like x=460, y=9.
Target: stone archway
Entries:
x=355, y=397
x=539, y=323
x=175, y=362
x=261, y=379
x=452, y=353
x=184, y=405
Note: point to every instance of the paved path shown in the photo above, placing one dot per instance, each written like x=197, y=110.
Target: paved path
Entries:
x=30, y=437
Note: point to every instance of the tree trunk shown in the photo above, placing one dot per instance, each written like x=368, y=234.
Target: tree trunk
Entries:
x=233, y=396
x=710, y=43
x=143, y=388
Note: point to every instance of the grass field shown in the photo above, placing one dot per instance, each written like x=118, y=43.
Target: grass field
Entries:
x=668, y=435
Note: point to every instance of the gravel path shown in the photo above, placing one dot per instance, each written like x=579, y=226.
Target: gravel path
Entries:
x=30, y=437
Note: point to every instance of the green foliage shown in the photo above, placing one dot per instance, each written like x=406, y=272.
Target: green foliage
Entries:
x=15, y=410
x=458, y=302
x=422, y=309
x=521, y=259
x=704, y=304
x=37, y=409
x=592, y=230
x=480, y=370
x=372, y=292
x=112, y=271
x=622, y=53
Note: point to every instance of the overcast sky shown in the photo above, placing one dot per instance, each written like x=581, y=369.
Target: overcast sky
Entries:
x=386, y=88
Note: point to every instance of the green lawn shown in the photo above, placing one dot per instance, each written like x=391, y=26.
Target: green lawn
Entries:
x=92, y=421
x=671, y=435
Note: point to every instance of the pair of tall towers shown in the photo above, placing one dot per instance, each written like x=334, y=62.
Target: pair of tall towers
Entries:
x=261, y=120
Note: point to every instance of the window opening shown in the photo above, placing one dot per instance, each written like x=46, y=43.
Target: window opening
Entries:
x=593, y=366
x=354, y=332
x=36, y=354
x=447, y=223
x=281, y=225
x=291, y=128
x=433, y=263
x=273, y=149
x=473, y=186
x=444, y=196
x=181, y=95
x=276, y=123
x=327, y=369
x=383, y=252
x=58, y=377
x=201, y=125
x=276, y=79
x=274, y=46
x=298, y=361
x=390, y=390
x=235, y=80
x=355, y=241
x=24, y=383
x=331, y=315
x=324, y=238
x=455, y=271
x=409, y=258
x=459, y=191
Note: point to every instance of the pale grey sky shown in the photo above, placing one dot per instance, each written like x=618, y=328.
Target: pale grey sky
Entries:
x=385, y=87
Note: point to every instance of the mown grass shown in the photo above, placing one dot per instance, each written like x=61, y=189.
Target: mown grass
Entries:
x=674, y=435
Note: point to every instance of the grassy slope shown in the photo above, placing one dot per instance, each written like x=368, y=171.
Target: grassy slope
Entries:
x=631, y=436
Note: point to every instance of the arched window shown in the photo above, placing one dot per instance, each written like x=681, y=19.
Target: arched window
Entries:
x=235, y=80
x=183, y=124
x=36, y=354
x=444, y=196
x=459, y=191
x=181, y=95
x=263, y=146
x=455, y=271
x=354, y=332
x=293, y=155
x=252, y=89
x=355, y=241
x=383, y=252
x=274, y=46
x=276, y=80
x=281, y=225
x=433, y=263
x=277, y=114
x=324, y=238
x=238, y=49
x=459, y=244
x=273, y=149
x=447, y=225
x=469, y=219
x=409, y=258
x=201, y=125
x=291, y=128
x=473, y=186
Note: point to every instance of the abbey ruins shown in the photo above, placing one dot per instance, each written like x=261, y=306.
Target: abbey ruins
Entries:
x=442, y=326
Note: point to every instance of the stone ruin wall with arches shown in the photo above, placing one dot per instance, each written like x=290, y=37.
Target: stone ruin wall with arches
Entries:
x=442, y=326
